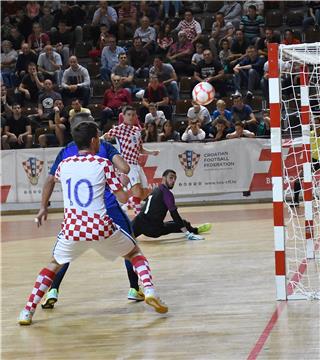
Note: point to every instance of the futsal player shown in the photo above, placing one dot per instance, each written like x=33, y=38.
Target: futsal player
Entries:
x=150, y=221
x=86, y=224
x=128, y=136
x=109, y=152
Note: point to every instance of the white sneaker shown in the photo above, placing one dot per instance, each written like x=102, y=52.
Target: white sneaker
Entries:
x=151, y=298
x=25, y=317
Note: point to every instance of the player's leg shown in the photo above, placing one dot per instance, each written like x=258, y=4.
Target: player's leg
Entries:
x=52, y=295
x=122, y=244
x=137, y=191
x=120, y=218
x=42, y=284
x=142, y=268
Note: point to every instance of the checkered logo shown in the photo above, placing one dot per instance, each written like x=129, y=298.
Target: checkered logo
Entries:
x=189, y=160
x=33, y=168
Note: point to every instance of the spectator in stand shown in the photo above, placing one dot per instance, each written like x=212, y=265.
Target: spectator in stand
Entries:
x=222, y=111
x=240, y=131
x=37, y=40
x=243, y=113
x=47, y=99
x=76, y=108
x=220, y=129
x=125, y=71
x=127, y=20
x=150, y=133
x=31, y=85
x=147, y=34
x=110, y=57
x=249, y=71
x=209, y=69
x=59, y=118
x=46, y=20
x=57, y=130
x=190, y=26
x=267, y=38
x=139, y=58
x=221, y=30
x=232, y=12
x=252, y=25
x=50, y=65
x=180, y=54
x=168, y=133
x=23, y=22
x=148, y=11
x=33, y=10
x=114, y=99
x=238, y=48
x=156, y=116
x=101, y=42
x=62, y=40
x=66, y=15
x=6, y=103
x=224, y=55
x=193, y=132
x=167, y=75
x=158, y=94
x=198, y=55
x=313, y=16
x=6, y=27
x=104, y=15
x=264, y=125
x=165, y=39
x=76, y=82
x=16, y=38
x=202, y=115
x=8, y=63
x=289, y=38
x=24, y=58
x=17, y=131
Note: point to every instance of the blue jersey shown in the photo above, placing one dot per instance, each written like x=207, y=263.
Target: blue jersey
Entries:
x=106, y=151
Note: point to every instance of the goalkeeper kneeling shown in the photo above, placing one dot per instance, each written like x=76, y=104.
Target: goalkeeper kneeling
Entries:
x=150, y=221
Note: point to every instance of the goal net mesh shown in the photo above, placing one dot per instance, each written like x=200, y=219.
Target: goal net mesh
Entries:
x=302, y=260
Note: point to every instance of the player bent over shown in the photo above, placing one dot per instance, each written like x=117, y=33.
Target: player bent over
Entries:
x=150, y=221
x=86, y=223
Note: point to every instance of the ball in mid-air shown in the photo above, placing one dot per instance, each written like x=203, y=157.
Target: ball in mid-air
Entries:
x=203, y=93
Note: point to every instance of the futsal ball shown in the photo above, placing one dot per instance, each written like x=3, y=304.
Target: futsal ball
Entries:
x=203, y=93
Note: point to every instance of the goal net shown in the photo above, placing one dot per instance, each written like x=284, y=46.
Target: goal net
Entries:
x=294, y=88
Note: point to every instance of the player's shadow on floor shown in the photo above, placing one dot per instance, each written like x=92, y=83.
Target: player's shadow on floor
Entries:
x=166, y=239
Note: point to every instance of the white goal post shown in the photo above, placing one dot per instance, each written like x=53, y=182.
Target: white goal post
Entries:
x=294, y=95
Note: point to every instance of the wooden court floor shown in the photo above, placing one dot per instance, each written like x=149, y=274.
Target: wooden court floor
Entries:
x=220, y=293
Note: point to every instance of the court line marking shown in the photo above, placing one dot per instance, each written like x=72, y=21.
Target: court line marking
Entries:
x=297, y=276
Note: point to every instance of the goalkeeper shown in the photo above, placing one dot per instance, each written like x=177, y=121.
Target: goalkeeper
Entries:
x=150, y=221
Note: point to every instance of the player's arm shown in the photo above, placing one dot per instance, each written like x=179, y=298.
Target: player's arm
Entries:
x=120, y=164
x=47, y=190
x=45, y=197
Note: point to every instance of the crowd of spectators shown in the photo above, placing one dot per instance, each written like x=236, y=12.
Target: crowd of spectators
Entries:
x=141, y=51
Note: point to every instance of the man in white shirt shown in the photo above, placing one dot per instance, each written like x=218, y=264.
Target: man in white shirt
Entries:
x=155, y=115
x=193, y=132
x=201, y=113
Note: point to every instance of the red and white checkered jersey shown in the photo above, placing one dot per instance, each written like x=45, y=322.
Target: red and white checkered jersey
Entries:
x=83, y=179
x=129, y=140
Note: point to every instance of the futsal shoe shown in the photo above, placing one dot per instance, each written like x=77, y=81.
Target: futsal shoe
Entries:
x=50, y=299
x=204, y=228
x=135, y=295
x=25, y=317
x=153, y=300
